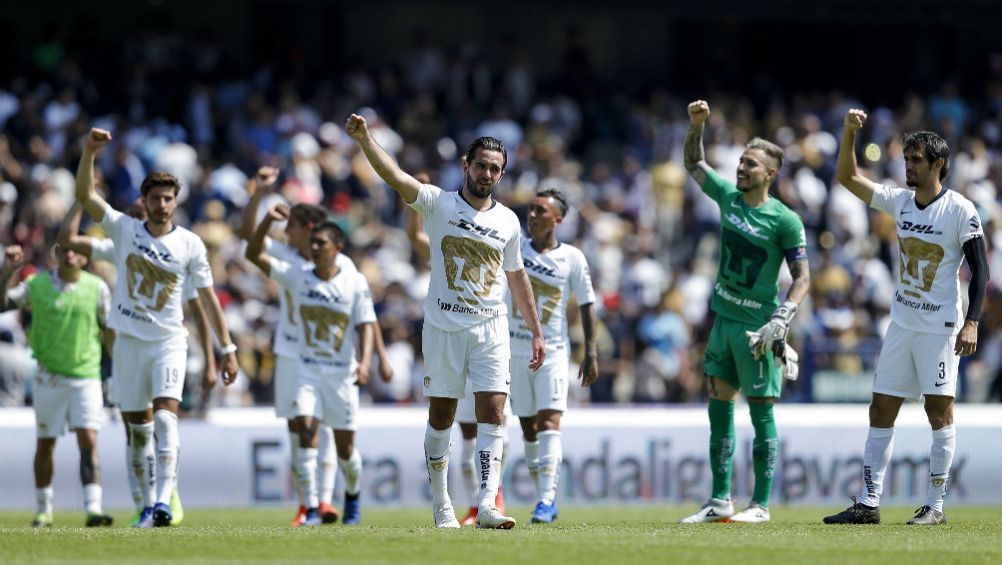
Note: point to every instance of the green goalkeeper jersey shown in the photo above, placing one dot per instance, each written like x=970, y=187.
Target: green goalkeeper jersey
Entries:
x=753, y=245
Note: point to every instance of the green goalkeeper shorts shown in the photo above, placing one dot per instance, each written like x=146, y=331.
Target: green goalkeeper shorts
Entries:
x=729, y=358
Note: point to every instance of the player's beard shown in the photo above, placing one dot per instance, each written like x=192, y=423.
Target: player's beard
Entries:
x=476, y=189
x=158, y=218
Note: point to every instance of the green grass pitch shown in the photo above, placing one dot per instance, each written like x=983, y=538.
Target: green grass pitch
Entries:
x=582, y=536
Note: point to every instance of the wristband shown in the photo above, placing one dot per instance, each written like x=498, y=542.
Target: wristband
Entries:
x=227, y=349
x=786, y=311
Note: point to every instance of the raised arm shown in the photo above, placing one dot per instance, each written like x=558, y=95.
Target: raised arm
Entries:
x=694, y=156
x=262, y=184
x=13, y=257
x=589, y=365
x=255, y=245
x=205, y=339
x=846, y=172
x=522, y=298
x=69, y=232
x=86, y=193
x=210, y=302
x=388, y=169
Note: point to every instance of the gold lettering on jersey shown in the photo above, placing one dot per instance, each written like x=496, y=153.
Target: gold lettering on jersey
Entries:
x=547, y=298
x=324, y=328
x=472, y=262
x=289, y=307
x=144, y=278
x=918, y=263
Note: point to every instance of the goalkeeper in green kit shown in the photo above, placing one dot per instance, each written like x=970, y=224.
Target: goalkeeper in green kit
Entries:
x=747, y=348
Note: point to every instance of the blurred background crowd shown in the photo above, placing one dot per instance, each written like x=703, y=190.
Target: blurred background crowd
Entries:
x=175, y=99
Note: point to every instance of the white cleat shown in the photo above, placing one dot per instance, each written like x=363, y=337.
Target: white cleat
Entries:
x=445, y=516
x=492, y=518
x=715, y=510
x=754, y=514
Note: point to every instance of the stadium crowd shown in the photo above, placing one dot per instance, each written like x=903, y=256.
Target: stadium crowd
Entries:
x=648, y=232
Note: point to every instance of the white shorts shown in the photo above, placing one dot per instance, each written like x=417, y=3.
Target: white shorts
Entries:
x=481, y=352
x=287, y=371
x=466, y=408
x=912, y=364
x=60, y=400
x=145, y=370
x=339, y=399
x=307, y=400
x=545, y=389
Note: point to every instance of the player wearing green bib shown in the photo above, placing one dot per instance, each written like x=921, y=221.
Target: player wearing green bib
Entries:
x=747, y=348
x=69, y=311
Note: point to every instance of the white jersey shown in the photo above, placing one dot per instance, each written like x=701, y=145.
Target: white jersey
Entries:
x=328, y=311
x=555, y=275
x=152, y=272
x=287, y=331
x=469, y=249
x=103, y=249
x=931, y=240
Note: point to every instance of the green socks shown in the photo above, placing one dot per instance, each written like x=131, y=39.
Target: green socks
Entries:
x=722, y=446
x=765, y=450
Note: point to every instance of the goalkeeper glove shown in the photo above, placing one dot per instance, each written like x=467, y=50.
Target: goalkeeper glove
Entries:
x=773, y=334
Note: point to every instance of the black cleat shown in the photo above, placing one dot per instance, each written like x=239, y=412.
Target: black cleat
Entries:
x=858, y=513
x=99, y=520
x=927, y=516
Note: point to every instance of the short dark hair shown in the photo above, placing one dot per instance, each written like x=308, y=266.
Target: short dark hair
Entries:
x=770, y=149
x=487, y=144
x=932, y=145
x=159, y=178
x=332, y=229
x=557, y=195
x=308, y=214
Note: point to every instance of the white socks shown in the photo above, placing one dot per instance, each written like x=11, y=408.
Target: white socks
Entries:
x=876, y=457
x=143, y=459
x=550, y=456
x=328, y=464
x=134, y=490
x=293, y=457
x=165, y=424
x=436, y=453
x=487, y=459
x=92, y=498
x=944, y=445
x=470, y=484
x=43, y=496
x=352, y=467
x=305, y=468
x=532, y=460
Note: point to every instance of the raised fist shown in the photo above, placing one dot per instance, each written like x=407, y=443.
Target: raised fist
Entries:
x=356, y=128
x=278, y=213
x=854, y=119
x=13, y=256
x=97, y=138
x=698, y=112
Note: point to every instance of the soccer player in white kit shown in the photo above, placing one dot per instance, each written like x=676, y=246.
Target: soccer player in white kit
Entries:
x=98, y=249
x=154, y=260
x=937, y=228
x=328, y=301
x=69, y=309
x=473, y=238
x=557, y=271
x=318, y=441
x=466, y=412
